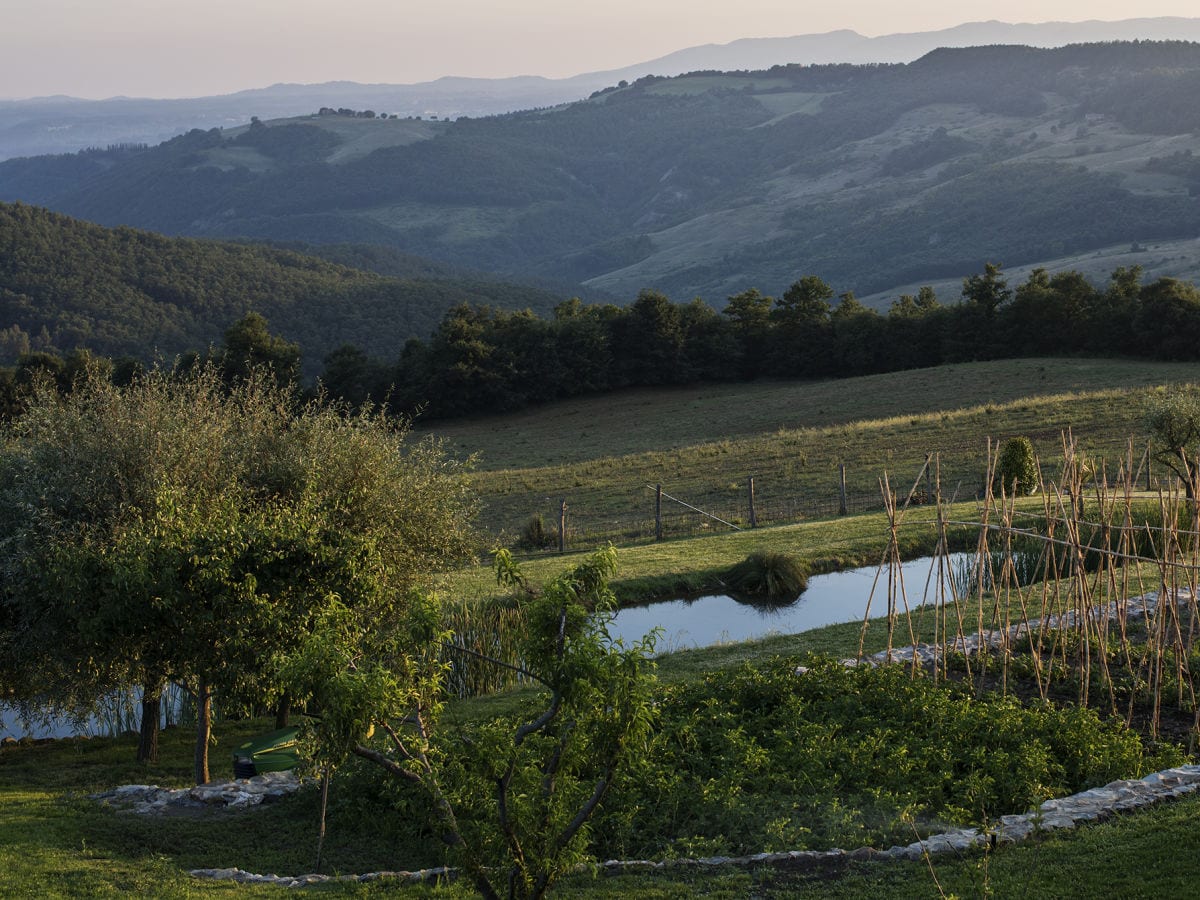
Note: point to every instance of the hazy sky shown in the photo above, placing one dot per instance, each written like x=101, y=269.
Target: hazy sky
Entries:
x=177, y=48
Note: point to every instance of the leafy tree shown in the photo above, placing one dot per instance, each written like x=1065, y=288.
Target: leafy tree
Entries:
x=750, y=315
x=986, y=291
x=650, y=339
x=184, y=530
x=354, y=377
x=803, y=335
x=913, y=332
x=249, y=346
x=857, y=330
x=547, y=778
x=1167, y=322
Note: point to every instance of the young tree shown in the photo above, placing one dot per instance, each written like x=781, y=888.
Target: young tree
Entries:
x=179, y=529
x=546, y=777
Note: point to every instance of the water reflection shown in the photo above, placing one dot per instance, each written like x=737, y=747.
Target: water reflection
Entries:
x=118, y=712
x=828, y=600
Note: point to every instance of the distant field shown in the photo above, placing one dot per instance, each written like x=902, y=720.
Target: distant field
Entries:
x=702, y=443
x=359, y=136
x=698, y=84
x=645, y=420
x=790, y=102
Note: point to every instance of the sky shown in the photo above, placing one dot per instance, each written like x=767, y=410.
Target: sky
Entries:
x=189, y=48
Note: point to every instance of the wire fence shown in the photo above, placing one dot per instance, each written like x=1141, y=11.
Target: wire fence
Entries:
x=587, y=529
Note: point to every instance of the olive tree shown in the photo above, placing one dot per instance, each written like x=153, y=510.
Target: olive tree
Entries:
x=1173, y=420
x=183, y=529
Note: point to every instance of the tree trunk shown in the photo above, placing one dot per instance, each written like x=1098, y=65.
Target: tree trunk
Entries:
x=203, y=730
x=284, y=710
x=147, y=750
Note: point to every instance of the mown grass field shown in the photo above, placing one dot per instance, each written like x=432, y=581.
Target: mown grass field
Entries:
x=603, y=454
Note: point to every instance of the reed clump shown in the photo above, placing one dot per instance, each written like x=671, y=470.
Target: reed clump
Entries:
x=773, y=576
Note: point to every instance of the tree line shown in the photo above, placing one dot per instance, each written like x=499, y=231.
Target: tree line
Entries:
x=482, y=359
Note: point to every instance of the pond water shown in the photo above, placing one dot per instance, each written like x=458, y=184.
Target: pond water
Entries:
x=120, y=711
x=57, y=727
x=829, y=600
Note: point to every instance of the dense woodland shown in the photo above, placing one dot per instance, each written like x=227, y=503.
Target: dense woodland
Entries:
x=581, y=191
x=481, y=359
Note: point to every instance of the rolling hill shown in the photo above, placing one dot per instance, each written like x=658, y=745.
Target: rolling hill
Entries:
x=709, y=183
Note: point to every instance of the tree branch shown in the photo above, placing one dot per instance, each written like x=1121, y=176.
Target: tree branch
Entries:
x=389, y=764
x=586, y=810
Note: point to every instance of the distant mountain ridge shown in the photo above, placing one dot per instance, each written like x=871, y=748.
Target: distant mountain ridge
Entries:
x=64, y=124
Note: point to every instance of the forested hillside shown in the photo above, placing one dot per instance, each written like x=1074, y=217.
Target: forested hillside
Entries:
x=706, y=183
x=66, y=284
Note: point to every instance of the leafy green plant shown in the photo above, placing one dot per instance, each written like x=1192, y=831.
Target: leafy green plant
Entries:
x=536, y=536
x=757, y=758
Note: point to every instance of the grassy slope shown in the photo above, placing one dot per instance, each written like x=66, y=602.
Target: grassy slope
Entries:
x=702, y=442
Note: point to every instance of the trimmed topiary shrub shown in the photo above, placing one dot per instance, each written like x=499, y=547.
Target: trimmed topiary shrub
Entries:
x=1016, y=469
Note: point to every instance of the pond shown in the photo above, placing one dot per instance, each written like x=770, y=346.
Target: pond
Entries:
x=829, y=600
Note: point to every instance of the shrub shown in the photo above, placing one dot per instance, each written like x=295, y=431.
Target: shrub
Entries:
x=535, y=535
x=758, y=759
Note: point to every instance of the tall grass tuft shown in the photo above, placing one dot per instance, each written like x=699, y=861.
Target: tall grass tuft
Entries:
x=493, y=629
x=771, y=575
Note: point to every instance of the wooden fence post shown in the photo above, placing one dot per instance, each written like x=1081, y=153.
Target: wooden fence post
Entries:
x=842, y=505
x=753, y=517
x=658, y=512
x=562, y=526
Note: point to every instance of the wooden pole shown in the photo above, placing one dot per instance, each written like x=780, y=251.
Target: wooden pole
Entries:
x=750, y=487
x=562, y=526
x=658, y=512
x=842, y=510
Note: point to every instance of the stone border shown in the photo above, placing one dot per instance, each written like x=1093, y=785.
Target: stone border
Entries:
x=1093, y=805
